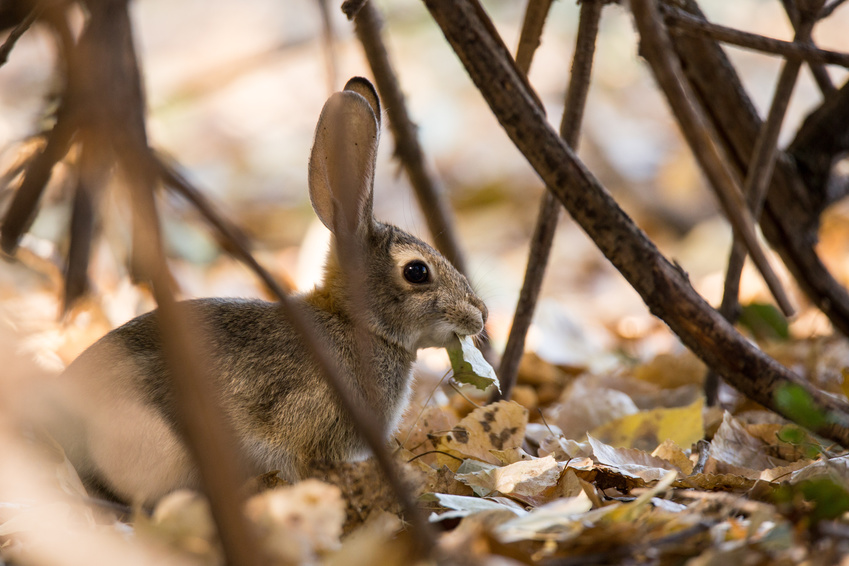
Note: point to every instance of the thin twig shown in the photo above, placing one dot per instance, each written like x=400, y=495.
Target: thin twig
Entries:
x=663, y=287
x=424, y=407
x=680, y=21
x=328, y=38
x=22, y=211
x=758, y=177
x=105, y=62
x=791, y=216
x=429, y=194
x=536, y=12
x=549, y=212
x=19, y=30
x=317, y=349
x=233, y=239
x=703, y=448
x=810, y=11
x=828, y=9
x=352, y=7
x=456, y=387
x=656, y=48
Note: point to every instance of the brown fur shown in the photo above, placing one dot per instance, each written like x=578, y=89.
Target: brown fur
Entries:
x=121, y=432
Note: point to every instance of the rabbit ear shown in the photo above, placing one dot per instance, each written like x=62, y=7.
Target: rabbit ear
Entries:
x=364, y=88
x=341, y=168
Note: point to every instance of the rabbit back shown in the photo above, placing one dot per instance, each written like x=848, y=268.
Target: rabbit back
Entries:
x=280, y=407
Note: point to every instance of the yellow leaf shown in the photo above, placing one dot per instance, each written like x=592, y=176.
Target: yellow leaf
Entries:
x=646, y=430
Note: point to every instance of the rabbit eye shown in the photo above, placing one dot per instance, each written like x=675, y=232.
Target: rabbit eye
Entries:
x=416, y=272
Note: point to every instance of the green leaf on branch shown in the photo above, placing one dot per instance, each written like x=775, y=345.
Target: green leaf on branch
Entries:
x=470, y=366
x=797, y=404
x=764, y=321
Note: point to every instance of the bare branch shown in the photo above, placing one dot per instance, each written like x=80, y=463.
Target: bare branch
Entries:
x=655, y=47
x=327, y=36
x=810, y=12
x=760, y=169
x=104, y=64
x=19, y=30
x=829, y=9
x=758, y=177
x=549, y=212
x=24, y=205
x=536, y=13
x=663, y=286
x=429, y=194
x=791, y=215
x=680, y=21
x=235, y=242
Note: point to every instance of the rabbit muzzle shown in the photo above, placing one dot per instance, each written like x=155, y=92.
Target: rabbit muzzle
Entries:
x=465, y=319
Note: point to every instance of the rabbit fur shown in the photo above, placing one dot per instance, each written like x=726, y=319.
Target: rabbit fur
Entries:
x=122, y=435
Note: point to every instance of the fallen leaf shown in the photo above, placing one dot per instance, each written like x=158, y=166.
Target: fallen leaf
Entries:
x=833, y=467
x=671, y=452
x=586, y=405
x=522, y=480
x=734, y=445
x=646, y=430
x=631, y=510
x=182, y=520
x=298, y=523
x=672, y=370
x=380, y=540
x=631, y=461
x=564, y=448
x=463, y=506
x=716, y=482
x=558, y=520
x=498, y=426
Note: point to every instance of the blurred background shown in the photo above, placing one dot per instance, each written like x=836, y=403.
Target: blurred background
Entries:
x=234, y=91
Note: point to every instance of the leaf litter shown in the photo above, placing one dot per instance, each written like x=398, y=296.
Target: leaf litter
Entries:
x=647, y=474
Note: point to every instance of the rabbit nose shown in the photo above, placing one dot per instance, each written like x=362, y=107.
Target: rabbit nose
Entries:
x=479, y=304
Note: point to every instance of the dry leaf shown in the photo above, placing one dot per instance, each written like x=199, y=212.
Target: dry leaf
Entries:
x=462, y=506
x=524, y=480
x=559, y=520
x=586, y=405
x=299, y=522
x=671, y=452
x=631, y=461
x=833, y=467
x=672, y=370
x=432, y=420
x=564, y=448
x=732, y=444
x=498, y=426
x=377, y=541
x=631, y=510
x=716, y=482
x=182, y=520
x=646, y=430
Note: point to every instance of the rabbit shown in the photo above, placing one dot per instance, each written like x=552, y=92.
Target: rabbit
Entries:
x=123, y=437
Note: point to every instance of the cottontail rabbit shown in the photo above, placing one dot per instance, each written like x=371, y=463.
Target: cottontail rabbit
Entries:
x=282, y=411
